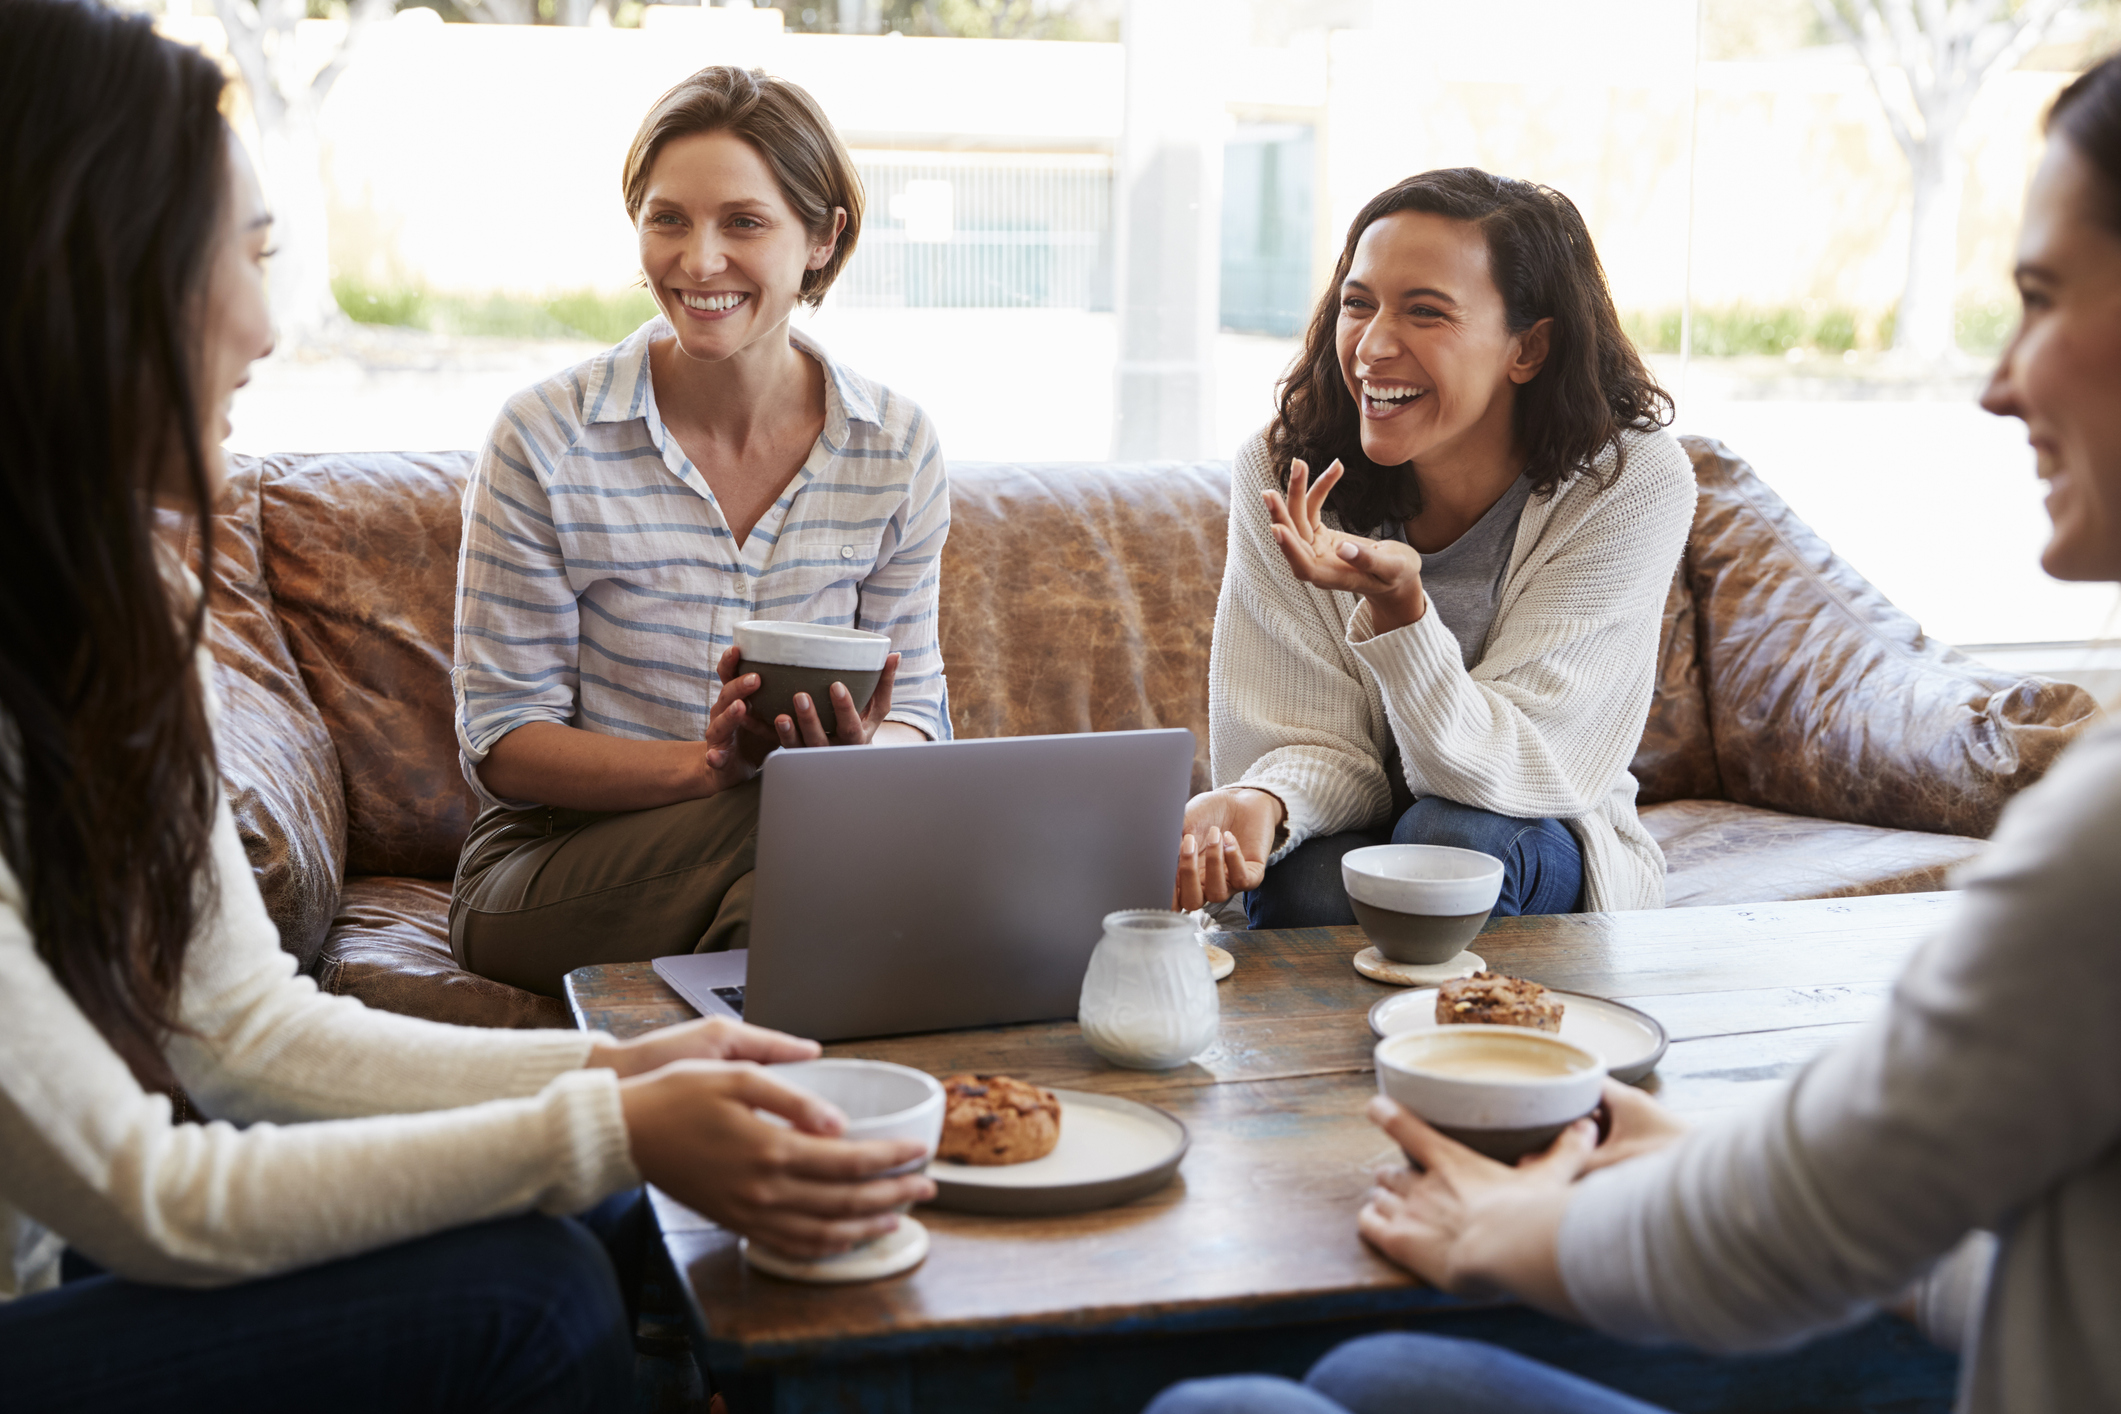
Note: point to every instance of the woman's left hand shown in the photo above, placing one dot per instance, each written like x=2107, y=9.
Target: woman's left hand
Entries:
x=1467, y=1224
x=711, y=1038
x=1385, y=572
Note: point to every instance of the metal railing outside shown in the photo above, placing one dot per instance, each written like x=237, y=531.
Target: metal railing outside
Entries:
x=983, y=230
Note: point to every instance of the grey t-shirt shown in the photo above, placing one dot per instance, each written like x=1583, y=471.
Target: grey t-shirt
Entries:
x=1463, y=580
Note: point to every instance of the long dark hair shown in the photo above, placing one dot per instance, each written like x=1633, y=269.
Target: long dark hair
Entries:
x=2088, y=113
x=113, y=179
x=1591, y=388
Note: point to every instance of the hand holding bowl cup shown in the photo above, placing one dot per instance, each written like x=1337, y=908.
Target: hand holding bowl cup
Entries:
x=1503, y=1091
x=807, y=659
x=880, y=1101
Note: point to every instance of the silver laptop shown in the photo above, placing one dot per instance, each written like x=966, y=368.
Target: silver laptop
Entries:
x=962, y=883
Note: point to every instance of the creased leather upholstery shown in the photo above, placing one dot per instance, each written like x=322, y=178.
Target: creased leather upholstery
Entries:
x=1801, y=727
x=363, y=567
x=1827, y=700
x=1677, y=757
x=277, y=764
x=1716, y=851
x=1082, y=598
x=390, y=948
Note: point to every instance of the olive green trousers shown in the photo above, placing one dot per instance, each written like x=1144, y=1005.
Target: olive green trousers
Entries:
x=543, y=891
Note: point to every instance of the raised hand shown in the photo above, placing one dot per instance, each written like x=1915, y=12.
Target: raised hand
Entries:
x=1385, y=572
x=1228, y=835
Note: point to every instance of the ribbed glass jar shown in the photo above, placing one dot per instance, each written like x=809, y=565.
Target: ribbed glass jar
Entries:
x=1148, y=999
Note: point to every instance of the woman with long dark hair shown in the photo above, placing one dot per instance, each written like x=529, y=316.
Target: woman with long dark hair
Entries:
x=1970, y=1138
x=375, y=1214
x=1449, y=554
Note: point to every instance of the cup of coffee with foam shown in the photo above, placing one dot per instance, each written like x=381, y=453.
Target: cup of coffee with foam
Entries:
x=1421, y=903
x=1505, y=1091
x=796, y=657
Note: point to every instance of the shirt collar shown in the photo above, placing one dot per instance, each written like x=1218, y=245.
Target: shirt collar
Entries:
x=619, y=382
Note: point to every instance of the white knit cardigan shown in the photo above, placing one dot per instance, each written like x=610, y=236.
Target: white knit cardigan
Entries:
x=1306, y=700
x=336, y=1129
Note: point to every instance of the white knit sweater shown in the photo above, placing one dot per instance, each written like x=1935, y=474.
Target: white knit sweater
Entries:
x=1306, y=701
x=361, y=1128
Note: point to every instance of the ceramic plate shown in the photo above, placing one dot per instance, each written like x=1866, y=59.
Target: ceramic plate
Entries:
x=1631, y=1041
x=1110, y=1150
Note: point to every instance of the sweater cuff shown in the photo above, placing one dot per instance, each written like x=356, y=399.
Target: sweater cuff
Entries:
x=1603, y=1255
x=596, y=1157
x=1422, y=651
x=543, y=1055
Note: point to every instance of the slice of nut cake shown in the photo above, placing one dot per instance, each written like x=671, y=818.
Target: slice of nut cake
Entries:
x=1489, y=998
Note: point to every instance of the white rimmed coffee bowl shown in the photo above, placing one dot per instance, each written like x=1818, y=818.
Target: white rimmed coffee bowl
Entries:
x=1421, y=903
x=793, y=658
x=880, y=1100
x=1537, y=1085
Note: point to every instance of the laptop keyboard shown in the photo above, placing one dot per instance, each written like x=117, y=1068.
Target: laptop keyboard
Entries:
x=734, y=996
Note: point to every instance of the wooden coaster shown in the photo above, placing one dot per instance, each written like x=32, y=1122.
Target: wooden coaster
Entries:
x=898, y=1250
x=1220, y=963
x=1378, y=968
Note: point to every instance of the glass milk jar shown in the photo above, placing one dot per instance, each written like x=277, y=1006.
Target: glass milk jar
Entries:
x=1148, y=999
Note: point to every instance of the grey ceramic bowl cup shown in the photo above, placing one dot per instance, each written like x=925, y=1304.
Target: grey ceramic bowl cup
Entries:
x=797, y=657
x=1505, y=1091
x=1421, y=903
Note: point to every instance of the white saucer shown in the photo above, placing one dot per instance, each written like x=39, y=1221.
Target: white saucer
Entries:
x=1220, y=963
x=896, y=1251
x=1378, y=968
x=1630, y=1042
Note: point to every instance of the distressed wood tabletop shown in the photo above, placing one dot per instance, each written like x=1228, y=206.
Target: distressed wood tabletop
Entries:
x=1260, y=1223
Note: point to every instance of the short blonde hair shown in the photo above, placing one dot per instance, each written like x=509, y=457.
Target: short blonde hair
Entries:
x=786, y=127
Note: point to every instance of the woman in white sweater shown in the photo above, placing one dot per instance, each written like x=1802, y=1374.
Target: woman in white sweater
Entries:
x=374, y=1214
x=1984, y=1101
x=1450, y=635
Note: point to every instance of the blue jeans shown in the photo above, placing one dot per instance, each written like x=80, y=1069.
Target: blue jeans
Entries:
x=1405, y=1374
x=523, y=1314
x=1542, y=865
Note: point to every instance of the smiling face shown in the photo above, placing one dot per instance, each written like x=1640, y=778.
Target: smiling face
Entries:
x=723, y=251
x=1424, y=345
x=235, y=323
x=2061, y=370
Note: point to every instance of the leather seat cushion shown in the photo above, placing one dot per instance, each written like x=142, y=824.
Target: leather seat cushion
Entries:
x=389, y=946
x=1716, y=851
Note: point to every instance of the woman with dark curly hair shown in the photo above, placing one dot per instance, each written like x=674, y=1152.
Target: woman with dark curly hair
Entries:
x=1448, y=635
x=1959, y=1158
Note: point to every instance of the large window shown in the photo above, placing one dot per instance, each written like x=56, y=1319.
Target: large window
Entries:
x=1737, y=160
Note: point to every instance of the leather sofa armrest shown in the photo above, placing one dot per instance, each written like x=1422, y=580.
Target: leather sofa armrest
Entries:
x=1827, y=700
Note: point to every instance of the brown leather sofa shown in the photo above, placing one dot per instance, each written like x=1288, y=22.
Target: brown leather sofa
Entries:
x=1806, y=740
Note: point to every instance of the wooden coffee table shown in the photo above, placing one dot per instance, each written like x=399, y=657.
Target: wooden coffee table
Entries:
x=1250, y=1259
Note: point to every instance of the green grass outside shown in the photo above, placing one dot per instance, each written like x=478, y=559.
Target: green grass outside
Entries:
x=1738, y=330
x=603, y=317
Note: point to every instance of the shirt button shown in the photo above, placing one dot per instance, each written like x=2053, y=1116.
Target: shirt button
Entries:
x=846, y=552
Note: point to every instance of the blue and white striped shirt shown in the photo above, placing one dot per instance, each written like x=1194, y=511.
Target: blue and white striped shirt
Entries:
x=599, y=582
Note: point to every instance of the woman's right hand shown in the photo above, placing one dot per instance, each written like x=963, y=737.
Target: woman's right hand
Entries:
x=1228, y=835
x=695, y=1134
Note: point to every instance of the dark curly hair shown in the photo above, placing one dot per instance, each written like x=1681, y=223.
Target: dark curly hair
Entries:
x=2088, y=113
x=1592, y=387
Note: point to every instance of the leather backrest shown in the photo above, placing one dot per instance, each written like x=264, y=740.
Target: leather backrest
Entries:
x=1825, y=699
x=1082, y=598
x=277, y=762
x=361, y=554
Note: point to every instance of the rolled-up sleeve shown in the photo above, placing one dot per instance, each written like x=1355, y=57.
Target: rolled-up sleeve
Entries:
x=517, y=630
x=899, y=597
